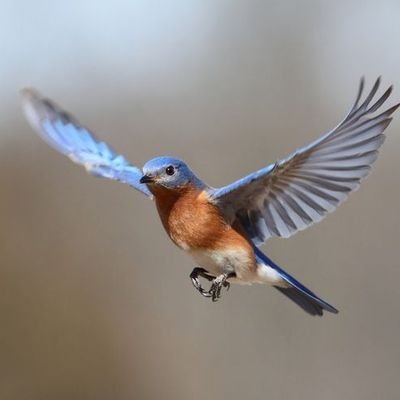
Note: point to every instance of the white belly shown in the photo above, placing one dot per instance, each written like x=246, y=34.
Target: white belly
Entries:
x=218, y=262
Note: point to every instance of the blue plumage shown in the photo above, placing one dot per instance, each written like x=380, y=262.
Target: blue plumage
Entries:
x=181, y=174
x=298, y=191
x=66, y=135
x=297, y=292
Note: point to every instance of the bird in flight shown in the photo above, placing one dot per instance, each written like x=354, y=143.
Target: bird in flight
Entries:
x=222, y=228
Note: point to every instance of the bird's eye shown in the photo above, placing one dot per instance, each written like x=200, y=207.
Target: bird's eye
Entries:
x=170, y=170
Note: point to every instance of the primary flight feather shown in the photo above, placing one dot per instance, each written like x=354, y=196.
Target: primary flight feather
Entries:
x=294, y=193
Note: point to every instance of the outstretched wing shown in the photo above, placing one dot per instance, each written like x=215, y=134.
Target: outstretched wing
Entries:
x=300, y=190
x=61, y=131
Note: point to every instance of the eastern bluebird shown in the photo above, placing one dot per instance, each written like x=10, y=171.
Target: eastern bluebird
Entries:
x=223, y=228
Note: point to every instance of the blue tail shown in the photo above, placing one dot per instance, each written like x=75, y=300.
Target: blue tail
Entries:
x=298, y=293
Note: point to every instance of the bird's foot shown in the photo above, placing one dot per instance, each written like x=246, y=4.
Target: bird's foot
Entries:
x=216, y=286
x=194, y=276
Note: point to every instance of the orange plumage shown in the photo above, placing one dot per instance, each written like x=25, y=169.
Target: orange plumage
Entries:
x=192, y=222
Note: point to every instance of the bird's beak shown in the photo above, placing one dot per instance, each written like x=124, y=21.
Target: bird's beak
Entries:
x=146, y=179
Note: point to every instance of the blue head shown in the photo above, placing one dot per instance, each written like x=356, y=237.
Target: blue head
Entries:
x=169, y=173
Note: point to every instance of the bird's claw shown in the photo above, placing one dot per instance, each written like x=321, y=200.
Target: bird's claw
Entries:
x=216, y=286
x=194, y=276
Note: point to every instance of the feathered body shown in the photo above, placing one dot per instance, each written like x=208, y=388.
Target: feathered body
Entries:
x=222, y=228
x=195, y=225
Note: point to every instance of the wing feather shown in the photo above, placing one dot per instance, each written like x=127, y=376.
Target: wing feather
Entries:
x=65, y=134
x=292, y=194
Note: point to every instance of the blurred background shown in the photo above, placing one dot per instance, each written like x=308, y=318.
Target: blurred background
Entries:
x=95, y=302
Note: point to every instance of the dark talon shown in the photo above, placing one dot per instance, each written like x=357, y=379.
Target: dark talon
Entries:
x=194, y=276
x=218, y=283
x=216, y=286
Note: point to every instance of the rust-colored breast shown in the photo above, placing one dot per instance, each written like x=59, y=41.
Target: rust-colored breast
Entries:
x=192, y=222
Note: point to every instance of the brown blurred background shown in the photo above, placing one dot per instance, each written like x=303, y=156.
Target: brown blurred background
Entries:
x=95, y=302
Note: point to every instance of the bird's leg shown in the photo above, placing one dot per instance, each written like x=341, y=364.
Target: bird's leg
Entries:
x=218, y=283
x=194, y=276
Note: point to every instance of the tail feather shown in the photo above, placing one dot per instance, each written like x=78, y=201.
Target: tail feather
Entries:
x=297, y=292
x=306, y=303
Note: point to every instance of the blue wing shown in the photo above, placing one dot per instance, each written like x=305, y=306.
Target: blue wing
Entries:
x=62, y=132
x=294, y=193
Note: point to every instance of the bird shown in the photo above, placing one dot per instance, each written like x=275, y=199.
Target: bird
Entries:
x=223, y=228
